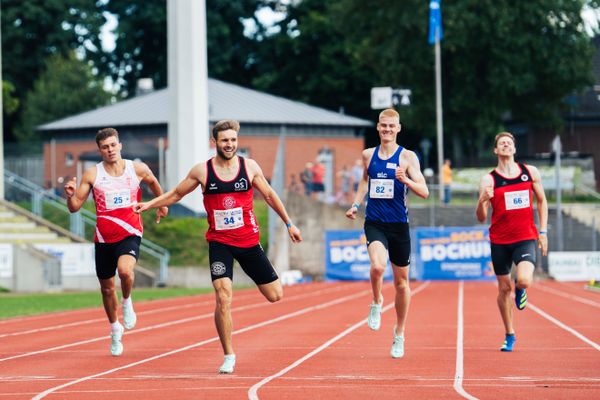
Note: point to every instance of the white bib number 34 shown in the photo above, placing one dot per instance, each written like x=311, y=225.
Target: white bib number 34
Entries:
x=382, y=189
x=229, y=219
x=516, y=200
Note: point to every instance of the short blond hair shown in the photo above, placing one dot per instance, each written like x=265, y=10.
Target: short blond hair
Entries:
x=390, y=113
x=504, y=134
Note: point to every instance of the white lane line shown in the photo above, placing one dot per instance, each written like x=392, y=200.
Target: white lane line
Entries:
x=459, y=374
x=563, y=326
x=213, y=339
x=567, y=295
x=253, y=392
x=167, y=324
x=139, y=313
x=87, y=310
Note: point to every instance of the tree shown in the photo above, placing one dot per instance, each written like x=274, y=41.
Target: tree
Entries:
x=10, y=103
x=33, y=30
x=67, y=86
x=141, y=44
x=500, y=58
x=309, y=60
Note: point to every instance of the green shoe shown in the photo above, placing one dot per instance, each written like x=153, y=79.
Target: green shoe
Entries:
x=520, y=298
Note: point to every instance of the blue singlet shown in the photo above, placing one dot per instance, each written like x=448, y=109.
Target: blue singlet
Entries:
x=386, y=199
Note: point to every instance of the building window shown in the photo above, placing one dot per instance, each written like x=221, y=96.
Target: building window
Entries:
x=69, y=161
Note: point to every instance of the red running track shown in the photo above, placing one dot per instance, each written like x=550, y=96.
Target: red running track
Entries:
x=315, y=344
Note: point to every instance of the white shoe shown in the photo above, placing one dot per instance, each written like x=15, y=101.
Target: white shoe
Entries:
x=116, y=347
x=397, y=346
x=374, y=320
x=228, y=364
x=129, y=317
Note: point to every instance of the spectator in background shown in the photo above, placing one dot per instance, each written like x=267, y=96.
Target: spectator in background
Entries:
x=306, y=177
x=357, y=173
x=447, y=180
x=346, y=177
x=318, y=180
x=294, y=185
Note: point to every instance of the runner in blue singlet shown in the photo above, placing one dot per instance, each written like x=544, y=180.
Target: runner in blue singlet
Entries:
x=390, y=170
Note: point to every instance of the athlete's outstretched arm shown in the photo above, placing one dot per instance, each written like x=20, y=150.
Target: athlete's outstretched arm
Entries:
x=363, y=184
x=542, y=208
x=411, y=175
x=146, y=175
x=486, y=192
x=193, y=179
x=76, y=196
x=260, y=183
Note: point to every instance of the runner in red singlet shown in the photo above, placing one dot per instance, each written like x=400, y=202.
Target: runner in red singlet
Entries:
x=513, y=235
x=227, y=181
x=115, y=184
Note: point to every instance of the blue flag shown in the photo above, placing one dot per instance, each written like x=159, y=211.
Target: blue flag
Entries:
x=435, y=21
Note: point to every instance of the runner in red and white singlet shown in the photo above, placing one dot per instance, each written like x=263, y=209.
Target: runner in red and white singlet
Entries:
x=510, y=189
x=115, y=184
x=114, y=197
x=227, y=181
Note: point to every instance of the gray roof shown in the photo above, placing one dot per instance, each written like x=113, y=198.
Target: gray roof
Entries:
x=226, y=101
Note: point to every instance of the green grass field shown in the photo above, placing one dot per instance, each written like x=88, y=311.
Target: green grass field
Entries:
x=14, y=305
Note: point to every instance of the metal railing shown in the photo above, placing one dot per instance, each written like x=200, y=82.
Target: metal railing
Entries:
x=20, y=189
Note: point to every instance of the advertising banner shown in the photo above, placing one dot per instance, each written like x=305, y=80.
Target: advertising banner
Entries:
x=76, y=259
x=346, y=256
x=453, y=253
x=574, y=265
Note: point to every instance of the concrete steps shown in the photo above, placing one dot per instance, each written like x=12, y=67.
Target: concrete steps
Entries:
x=19, y=228
x=587, y=214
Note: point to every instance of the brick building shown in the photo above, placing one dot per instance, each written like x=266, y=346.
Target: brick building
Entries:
x=69, y=146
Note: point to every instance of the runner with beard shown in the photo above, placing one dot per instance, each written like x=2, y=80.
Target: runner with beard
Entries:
x=227, y=181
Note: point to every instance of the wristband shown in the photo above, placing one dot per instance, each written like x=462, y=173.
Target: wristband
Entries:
x=289, y=224
x=543, y=232
x=356, y=205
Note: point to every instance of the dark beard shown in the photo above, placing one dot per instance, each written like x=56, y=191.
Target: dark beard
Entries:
x=222, y=155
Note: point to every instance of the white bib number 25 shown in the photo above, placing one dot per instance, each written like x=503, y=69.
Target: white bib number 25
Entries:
x=117, y=199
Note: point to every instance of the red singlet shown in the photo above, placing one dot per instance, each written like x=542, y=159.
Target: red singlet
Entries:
x=512, y=208
x=114, y=196
x=229, y=210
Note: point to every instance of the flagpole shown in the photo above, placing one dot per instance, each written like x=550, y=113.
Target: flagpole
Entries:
x=439, y=113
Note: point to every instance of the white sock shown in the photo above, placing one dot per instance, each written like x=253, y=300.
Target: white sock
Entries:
x=127, y=301
x=115, y=327
x=230, y=357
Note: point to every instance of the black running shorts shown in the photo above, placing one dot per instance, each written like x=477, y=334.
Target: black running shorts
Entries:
x=395, y=236
x=504, y=255
x=253, y=261
x=107, y=255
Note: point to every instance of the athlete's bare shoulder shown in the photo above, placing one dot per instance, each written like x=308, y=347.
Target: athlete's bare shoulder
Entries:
x=89, y=175
x=535, y=173
x=252, y=169
x=367, y=154
x=198, y=172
